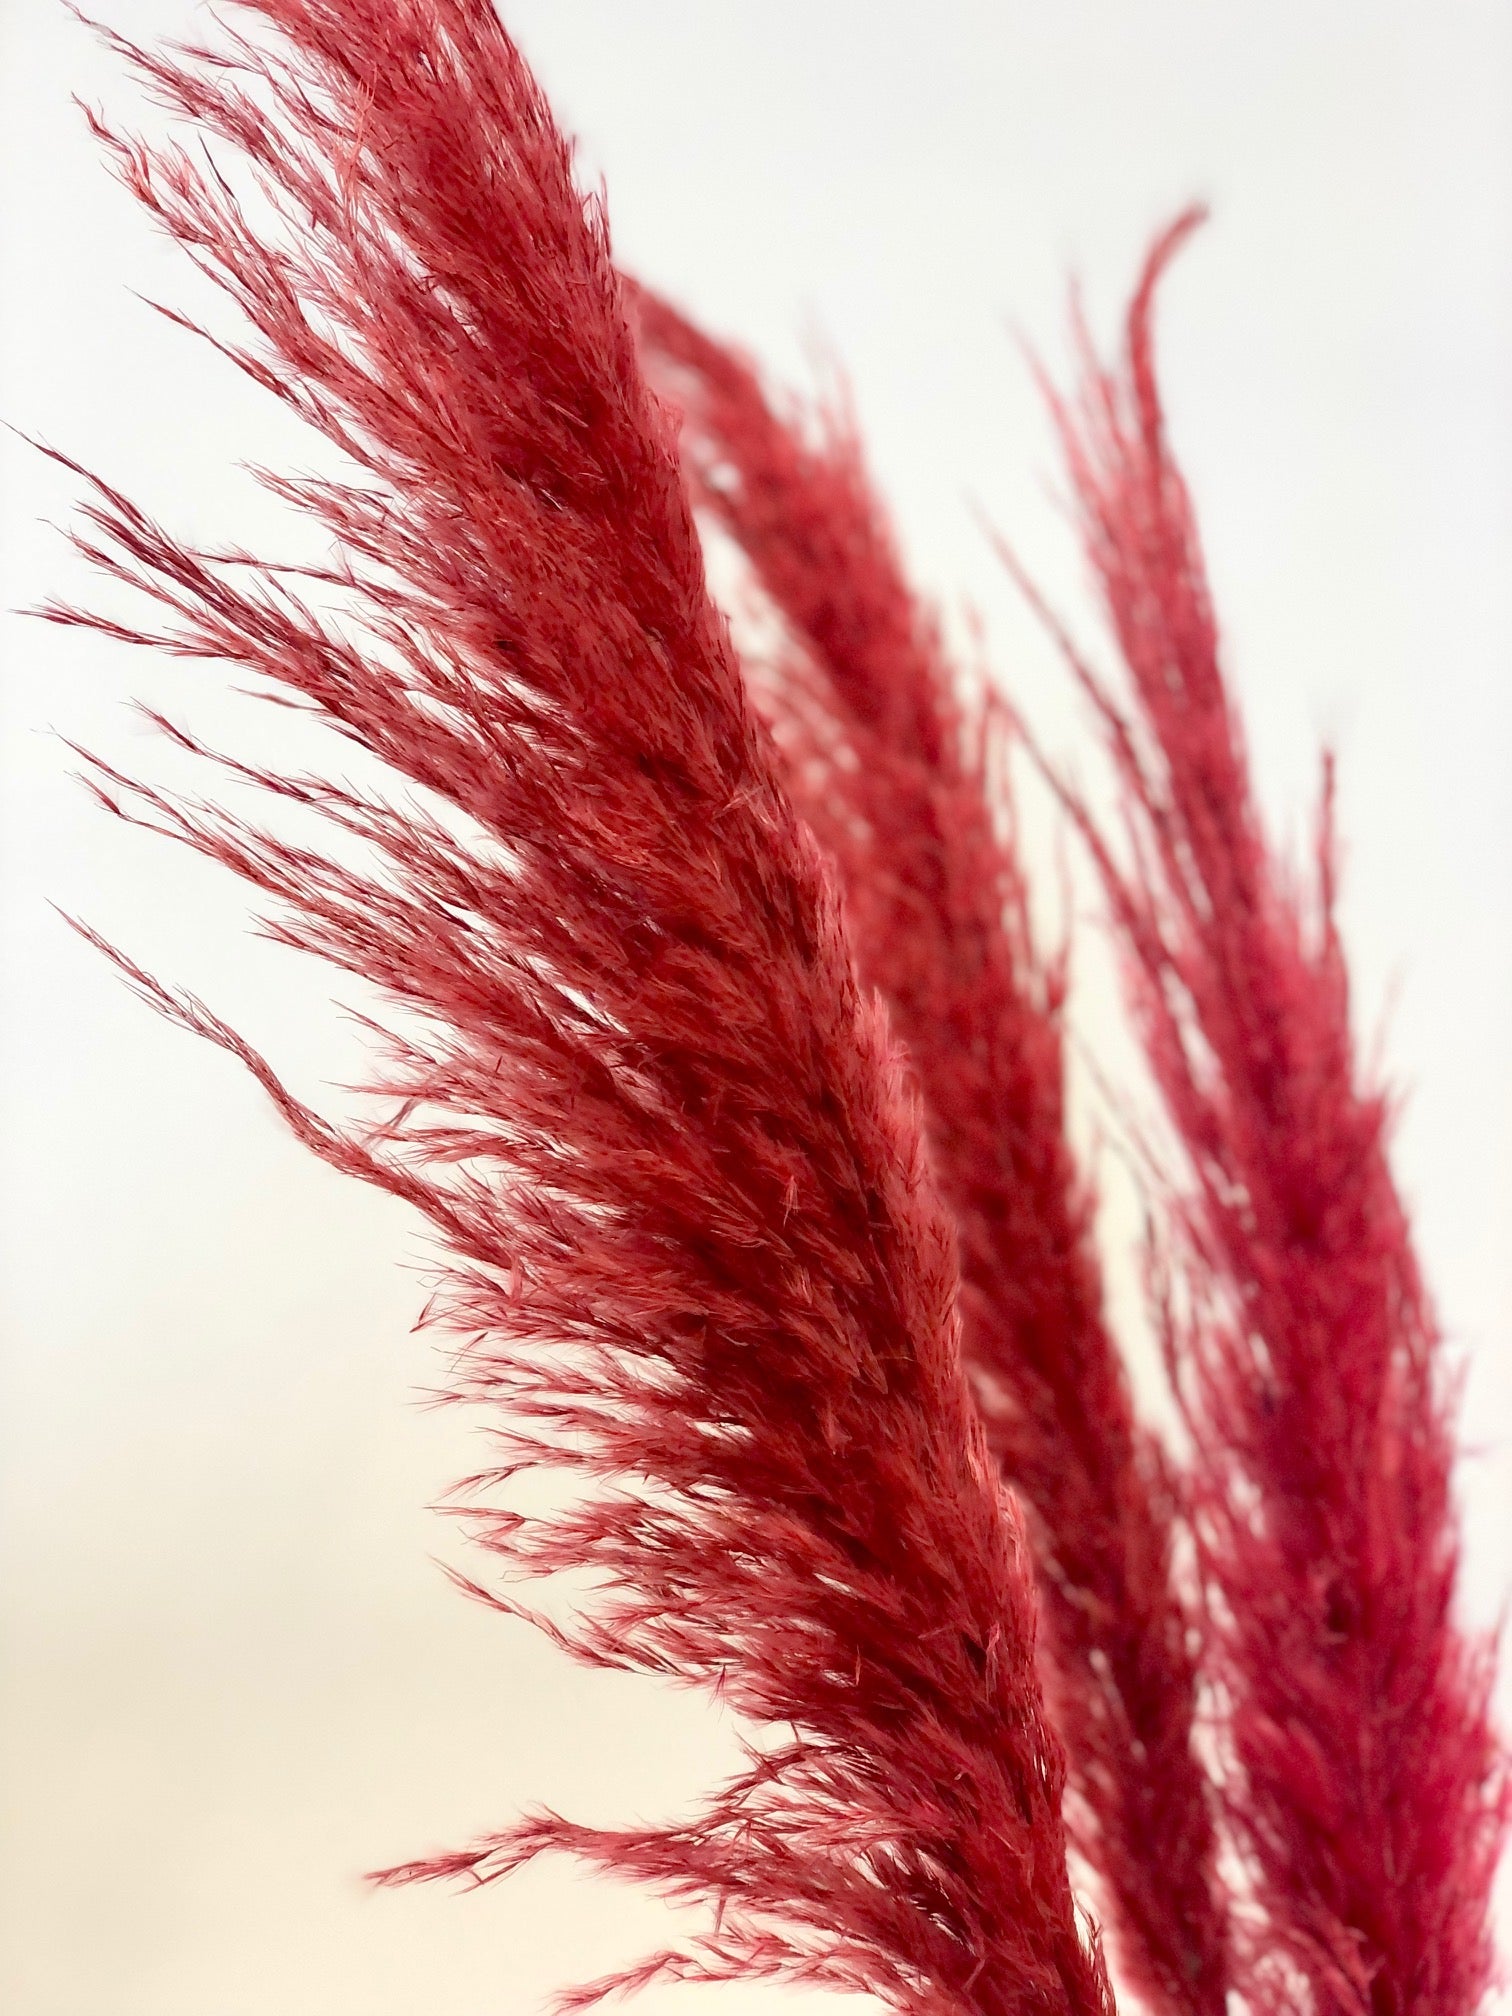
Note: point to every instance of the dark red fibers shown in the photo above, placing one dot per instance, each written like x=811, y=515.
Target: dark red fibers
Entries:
x=1366, y=1785
x=896, y=770
x=696, y=1255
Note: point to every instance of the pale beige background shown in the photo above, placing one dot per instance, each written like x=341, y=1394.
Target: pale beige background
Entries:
x=232, y=1677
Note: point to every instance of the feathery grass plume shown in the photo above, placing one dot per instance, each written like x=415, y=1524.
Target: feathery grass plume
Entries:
x=696, y=1258
x=1368, y=1788
x=897, y=772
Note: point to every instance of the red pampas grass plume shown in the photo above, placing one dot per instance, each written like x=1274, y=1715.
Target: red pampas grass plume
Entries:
x=696, y=1258
x=902, y=777
x=1367, y=1788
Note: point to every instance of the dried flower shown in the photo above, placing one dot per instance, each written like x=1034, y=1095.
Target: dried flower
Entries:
x=696, y=1256
x=897, y=770
x=1366, y=1785
x=706, y=1224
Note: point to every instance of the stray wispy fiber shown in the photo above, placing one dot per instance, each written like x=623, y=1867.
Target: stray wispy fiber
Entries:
x=902, y=776
x=1364, y=1780
x=696, y=1254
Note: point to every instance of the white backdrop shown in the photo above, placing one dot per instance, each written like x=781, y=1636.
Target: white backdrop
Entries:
x=232, y=1676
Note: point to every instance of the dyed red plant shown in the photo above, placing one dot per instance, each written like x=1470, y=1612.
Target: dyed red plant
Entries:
x=1367, y=1788
x=696, y=1255
x=894, y=772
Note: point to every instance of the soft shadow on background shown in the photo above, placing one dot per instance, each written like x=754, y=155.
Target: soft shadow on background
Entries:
x=232, y=1676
